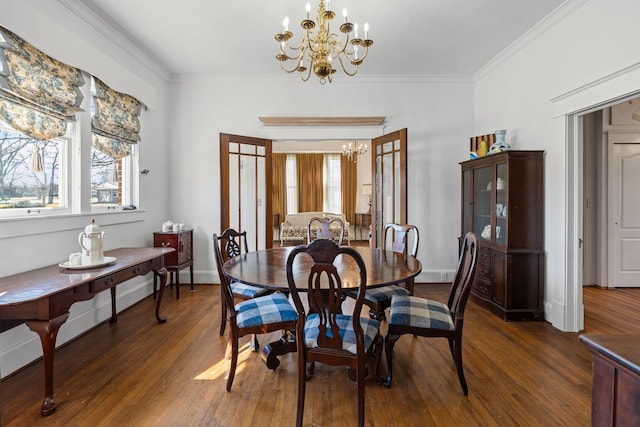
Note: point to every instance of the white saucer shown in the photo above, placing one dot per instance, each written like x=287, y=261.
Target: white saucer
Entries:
x=106, y=260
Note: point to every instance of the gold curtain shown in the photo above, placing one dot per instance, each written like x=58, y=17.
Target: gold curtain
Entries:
x=279, y=170
x=309, y=176
x=349, y=188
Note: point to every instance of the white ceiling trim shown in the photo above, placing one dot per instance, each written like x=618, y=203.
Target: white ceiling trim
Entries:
x=548, y=22
x=118, y=36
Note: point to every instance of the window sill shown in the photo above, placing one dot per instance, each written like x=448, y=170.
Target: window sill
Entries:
x=19, y=227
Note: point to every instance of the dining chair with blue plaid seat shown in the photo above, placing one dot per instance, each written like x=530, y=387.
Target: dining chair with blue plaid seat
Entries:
x=259, y=315
x=324, y=334
x=409, y=314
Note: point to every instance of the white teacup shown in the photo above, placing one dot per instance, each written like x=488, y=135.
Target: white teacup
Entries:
x=75, y=258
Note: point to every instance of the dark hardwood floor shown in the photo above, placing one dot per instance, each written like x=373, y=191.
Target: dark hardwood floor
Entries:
x=139, y=373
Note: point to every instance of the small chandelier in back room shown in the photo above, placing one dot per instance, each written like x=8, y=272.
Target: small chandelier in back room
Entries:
x=318, y=51
x=353, y=150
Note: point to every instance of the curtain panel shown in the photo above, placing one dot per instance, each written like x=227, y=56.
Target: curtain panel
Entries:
x=310, y=181
x=349, y=187
x=38, y=94
x=279, y=170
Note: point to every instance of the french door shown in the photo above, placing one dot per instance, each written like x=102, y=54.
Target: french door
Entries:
x=246, y=188
x=389, y=178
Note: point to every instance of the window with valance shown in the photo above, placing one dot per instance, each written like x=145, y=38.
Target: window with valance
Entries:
x=40, y=98
x=39, y=95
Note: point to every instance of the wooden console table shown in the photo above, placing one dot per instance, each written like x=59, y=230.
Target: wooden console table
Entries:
x=41, y=298
x=616, y=379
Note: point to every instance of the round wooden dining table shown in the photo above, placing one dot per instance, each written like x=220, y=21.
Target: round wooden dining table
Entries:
x=266, y=268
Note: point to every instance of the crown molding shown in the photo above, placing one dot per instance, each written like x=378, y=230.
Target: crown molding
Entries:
x=548, y=22
x=90, y=13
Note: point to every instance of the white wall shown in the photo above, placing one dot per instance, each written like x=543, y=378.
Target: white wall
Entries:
x=437, y=112
x=30, y=243
x=586, y=59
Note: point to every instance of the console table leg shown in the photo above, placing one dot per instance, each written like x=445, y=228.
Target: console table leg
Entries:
x=47, y=330
x=162, y=273
x=114, y=316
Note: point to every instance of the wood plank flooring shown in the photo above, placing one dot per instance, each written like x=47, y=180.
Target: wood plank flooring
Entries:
x=139, y=373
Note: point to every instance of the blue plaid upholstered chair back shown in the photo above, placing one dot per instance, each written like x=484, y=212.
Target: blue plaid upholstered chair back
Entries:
x=461, y=286
x=400, y=237
x=325, y=295
x=325, y=334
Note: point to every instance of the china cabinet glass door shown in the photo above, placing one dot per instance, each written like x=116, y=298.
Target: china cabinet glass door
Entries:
x=482, y=189
x=501, y=203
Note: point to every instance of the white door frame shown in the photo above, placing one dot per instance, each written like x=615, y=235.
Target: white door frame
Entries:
x=572, y=107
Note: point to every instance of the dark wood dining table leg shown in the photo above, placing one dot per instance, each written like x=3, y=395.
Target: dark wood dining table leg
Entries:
x=47, y=330
x=162, y=273
x=270, y=352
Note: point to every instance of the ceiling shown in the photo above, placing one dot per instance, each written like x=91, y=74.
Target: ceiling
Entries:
x=192, y=37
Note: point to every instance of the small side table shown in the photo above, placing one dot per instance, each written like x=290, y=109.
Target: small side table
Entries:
x=363, y=220
x=182, y=242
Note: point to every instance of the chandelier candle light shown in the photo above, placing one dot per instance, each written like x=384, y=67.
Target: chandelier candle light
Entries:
x=323, y=47
x=353, y=150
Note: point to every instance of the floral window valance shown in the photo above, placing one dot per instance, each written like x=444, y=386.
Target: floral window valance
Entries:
x=38, y=94
x=115, y=121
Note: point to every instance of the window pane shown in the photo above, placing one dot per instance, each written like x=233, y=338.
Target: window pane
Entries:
x=292, y=194
x=32, y=174
x=332, y=192
x=110, y=185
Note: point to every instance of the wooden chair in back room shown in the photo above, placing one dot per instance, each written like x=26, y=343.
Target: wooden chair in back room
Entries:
x=325, y=231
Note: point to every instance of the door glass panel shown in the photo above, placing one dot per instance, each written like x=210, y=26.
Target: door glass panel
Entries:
x=390, y=182
x=234, y=191
x=248, y=199
x=246, y=188
x=261, y=192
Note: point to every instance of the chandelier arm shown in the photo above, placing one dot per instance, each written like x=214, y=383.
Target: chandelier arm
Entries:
x=344, y=69
x=304, y=79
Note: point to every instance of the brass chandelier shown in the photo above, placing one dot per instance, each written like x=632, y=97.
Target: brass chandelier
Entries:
x=322, y=48
x=353, y=150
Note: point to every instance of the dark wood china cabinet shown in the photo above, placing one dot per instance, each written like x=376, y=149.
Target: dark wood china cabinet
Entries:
x=503, y=203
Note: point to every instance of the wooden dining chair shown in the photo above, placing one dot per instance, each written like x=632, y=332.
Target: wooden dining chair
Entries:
x=427, y=318
x=259, y=315
x=234, y=243
x=399, y=238
x=324, y=334
x=325, y=231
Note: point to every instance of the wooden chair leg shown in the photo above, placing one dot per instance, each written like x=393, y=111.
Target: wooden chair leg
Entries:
x=457, y=347
x=389, y=342
x=360, y=381
x=233, y=341
x=302, y=381
x=223, y=318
